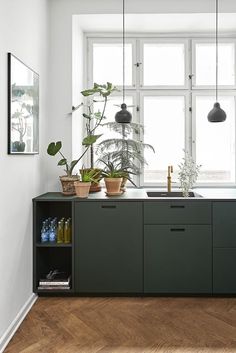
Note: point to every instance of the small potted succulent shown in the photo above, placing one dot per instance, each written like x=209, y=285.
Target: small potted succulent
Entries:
x=67, y=180
x=82, y=187
x=113, y=176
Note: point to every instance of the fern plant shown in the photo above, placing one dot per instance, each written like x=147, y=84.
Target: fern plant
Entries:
x=124, y=150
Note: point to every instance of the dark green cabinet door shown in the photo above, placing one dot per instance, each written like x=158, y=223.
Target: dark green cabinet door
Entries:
x=108, y=247
x=224, y=271
x=224, y=224
x=177, y=259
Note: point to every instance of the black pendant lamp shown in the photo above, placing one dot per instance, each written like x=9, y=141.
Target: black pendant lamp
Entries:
x=123, y=116
x=216, y=115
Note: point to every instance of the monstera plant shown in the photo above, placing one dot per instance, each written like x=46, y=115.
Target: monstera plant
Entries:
x=68, y=179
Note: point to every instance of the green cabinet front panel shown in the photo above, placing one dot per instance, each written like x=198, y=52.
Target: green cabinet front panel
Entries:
x=177, y=212
x=224, y=271
x=108, y=247
x=224, y=224
x=177, y=259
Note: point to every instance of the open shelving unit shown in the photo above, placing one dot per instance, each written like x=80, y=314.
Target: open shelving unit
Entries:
x=50, y=256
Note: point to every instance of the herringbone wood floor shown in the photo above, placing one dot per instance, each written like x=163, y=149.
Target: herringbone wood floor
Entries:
x=128, y=325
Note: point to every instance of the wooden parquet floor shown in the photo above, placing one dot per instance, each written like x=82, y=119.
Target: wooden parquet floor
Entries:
x=128, y=325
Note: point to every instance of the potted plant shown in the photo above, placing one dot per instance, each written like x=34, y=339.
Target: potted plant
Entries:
x=82, y=187
x=126, y=150
x=67, y=180
x=93, y=120
x=113, y=175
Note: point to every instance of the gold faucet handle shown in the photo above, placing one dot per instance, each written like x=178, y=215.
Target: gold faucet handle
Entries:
x=170, y=169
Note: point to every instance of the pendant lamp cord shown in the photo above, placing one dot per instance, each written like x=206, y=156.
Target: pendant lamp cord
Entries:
x=217, y=15
x=123, y=51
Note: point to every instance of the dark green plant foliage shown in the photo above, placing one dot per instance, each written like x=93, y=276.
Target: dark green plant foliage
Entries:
x=54, y=148
x=113, y=170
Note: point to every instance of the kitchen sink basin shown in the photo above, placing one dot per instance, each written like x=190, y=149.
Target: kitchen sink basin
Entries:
x=170, y=194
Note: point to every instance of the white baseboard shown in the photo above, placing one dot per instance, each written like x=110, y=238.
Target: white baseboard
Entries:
x=10, y=331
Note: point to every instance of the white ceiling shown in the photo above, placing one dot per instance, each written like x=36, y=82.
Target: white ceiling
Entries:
x=161, y=23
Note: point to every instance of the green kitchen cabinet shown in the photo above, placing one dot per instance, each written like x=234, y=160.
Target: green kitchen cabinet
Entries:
x=108, y=247
x=224, y=224
x=177, y=259
x=224, y=270
x=224, y=251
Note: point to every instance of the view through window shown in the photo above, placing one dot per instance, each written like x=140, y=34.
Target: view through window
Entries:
x=171, y=83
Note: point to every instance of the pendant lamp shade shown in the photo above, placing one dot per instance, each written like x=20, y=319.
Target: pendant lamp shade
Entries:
x=123, y=116
x=216, y=115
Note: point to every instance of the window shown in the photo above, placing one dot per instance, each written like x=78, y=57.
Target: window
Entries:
x=172, y=90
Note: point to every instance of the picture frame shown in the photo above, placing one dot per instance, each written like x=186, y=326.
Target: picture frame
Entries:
x=23, y=108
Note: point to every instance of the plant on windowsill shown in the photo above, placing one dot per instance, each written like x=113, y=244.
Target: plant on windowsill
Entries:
x=82, y=187
x=93, y=120
x=113, y=175
x=67, y=180
x=126, y=150
x=188, y=173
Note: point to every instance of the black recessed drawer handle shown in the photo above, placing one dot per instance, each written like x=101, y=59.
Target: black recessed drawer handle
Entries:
x=177, y=206
x=108, y=206
x=177, y=229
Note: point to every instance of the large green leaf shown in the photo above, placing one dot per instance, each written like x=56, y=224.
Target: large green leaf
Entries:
x=54, y=148
x=91, y=139
x=62, y=162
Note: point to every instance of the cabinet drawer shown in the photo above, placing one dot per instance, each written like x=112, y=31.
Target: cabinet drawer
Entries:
x=224, y=224
x=177, y=259
x=177, y=212
x=224, y=271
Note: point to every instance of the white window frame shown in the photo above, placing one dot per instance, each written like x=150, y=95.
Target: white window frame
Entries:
x=205, y=41
x=202, y=92
x=188, y=127
x=138, y=91
x=185, y=42
x=108, y=40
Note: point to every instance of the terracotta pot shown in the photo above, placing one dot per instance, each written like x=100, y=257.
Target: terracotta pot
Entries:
x=113, y=184
x=95, y=187
x=123, y=184
x=67, y=183
x=82, y=189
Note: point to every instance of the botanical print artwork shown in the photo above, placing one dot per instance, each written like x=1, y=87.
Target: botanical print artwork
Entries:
x=23, y=106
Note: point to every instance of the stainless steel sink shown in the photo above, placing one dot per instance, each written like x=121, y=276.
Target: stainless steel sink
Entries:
x=170, y=194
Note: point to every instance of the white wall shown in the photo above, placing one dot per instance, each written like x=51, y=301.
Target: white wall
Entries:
x=23, y=32
x=61, y=12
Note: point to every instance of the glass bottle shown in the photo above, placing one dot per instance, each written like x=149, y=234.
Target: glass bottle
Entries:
x=52, y=232
x=67, y=232
x=60, y=232
x=44, y=233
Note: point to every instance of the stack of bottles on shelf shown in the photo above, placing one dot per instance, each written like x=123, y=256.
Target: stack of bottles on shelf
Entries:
x=56, y=231
x=55, y=280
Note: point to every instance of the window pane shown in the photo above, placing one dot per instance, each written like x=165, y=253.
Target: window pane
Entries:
x=164, y=118
x=205, y=64
x=164, y=64
x=215, y=142
x=108, y=63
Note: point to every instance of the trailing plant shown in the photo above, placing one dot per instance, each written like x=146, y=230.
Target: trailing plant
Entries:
x=93, y=118
x=54, y=148
x=188, y=173
x=125, y=150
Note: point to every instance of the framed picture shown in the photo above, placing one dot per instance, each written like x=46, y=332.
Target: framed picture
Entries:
x=23, y=108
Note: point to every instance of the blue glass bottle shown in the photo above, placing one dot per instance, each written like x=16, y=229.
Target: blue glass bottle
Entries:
x=52, y=232
x=44, y=233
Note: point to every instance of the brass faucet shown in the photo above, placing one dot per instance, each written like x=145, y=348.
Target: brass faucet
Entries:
x=170, y=170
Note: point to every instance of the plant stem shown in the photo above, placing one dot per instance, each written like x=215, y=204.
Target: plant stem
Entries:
x=91, y=157
x=67, y=166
